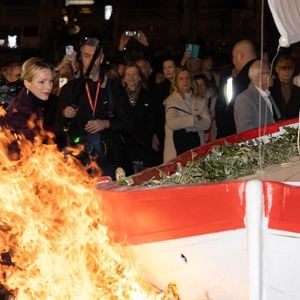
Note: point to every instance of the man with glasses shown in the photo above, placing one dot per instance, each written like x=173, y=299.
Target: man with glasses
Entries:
x=93, y=111
x=255, y=107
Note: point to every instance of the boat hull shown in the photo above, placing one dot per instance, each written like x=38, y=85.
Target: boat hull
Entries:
x=229, y=240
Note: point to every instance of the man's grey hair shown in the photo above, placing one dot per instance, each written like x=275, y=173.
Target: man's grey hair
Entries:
x=256, y=68
x=93, y=42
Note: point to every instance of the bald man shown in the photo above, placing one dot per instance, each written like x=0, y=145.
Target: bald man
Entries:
x=243, y=55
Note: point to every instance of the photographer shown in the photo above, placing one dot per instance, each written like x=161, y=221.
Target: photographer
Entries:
x=96, y=112
x=68, y=68
x=138, y=36
x=145, y=60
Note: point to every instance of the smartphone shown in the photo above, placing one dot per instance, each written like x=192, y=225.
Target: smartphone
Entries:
x=193, y=49
x=189, y=48
x=69, y=50
x=62, y=81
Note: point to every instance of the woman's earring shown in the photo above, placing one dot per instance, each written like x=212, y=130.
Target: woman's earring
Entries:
x=27, y=91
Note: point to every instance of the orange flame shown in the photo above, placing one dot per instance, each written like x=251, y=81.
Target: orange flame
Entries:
x=53, y=228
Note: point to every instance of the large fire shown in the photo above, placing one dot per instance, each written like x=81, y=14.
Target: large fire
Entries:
x=54, y=235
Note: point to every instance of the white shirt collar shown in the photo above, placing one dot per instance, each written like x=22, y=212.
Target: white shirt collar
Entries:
x=264, y=93
x=266, y=96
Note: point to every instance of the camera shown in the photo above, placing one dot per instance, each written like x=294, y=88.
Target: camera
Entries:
x=134, y=34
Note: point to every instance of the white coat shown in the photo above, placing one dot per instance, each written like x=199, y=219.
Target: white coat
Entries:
x=176, y=119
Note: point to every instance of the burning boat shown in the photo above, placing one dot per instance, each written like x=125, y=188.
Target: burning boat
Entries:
x=226, y=240
x=229, y=240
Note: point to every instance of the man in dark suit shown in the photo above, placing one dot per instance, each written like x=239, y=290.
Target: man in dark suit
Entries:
x=255, y=107
x=96, y=112
x=243, y=55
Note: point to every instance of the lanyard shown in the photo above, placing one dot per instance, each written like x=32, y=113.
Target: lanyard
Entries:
x=93, y=104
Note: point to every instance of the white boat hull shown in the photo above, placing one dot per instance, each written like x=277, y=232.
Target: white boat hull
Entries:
x=229, y=240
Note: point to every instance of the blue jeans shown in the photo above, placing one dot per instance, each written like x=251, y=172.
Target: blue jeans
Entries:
x=94, y=147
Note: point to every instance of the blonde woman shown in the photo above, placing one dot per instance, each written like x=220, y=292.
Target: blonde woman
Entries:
x=34, y=103
x=186, y=116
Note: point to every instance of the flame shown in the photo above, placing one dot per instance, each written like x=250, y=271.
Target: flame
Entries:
x=53, y=228
x=2, y=111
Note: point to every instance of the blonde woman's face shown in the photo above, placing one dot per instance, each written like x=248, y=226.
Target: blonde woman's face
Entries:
x=184, y=82
x=41, y=84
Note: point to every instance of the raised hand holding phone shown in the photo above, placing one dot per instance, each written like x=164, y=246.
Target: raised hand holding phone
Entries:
x=193, y=49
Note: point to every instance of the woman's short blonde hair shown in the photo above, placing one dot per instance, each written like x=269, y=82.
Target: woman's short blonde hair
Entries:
x=33, y=64
x=174, y=81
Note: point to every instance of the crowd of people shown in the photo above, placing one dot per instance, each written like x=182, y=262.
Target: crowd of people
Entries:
x=127, y=115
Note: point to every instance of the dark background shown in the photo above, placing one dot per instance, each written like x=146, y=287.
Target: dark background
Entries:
x=215, y=24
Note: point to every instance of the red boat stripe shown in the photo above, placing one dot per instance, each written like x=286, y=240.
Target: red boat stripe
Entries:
x=155, y=214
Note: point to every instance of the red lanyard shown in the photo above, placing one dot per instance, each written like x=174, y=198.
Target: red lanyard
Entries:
x=93, y=104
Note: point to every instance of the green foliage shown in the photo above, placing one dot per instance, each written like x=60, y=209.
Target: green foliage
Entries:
x=232, y=161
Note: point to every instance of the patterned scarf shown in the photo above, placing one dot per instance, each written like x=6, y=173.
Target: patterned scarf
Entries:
x=133, y=95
